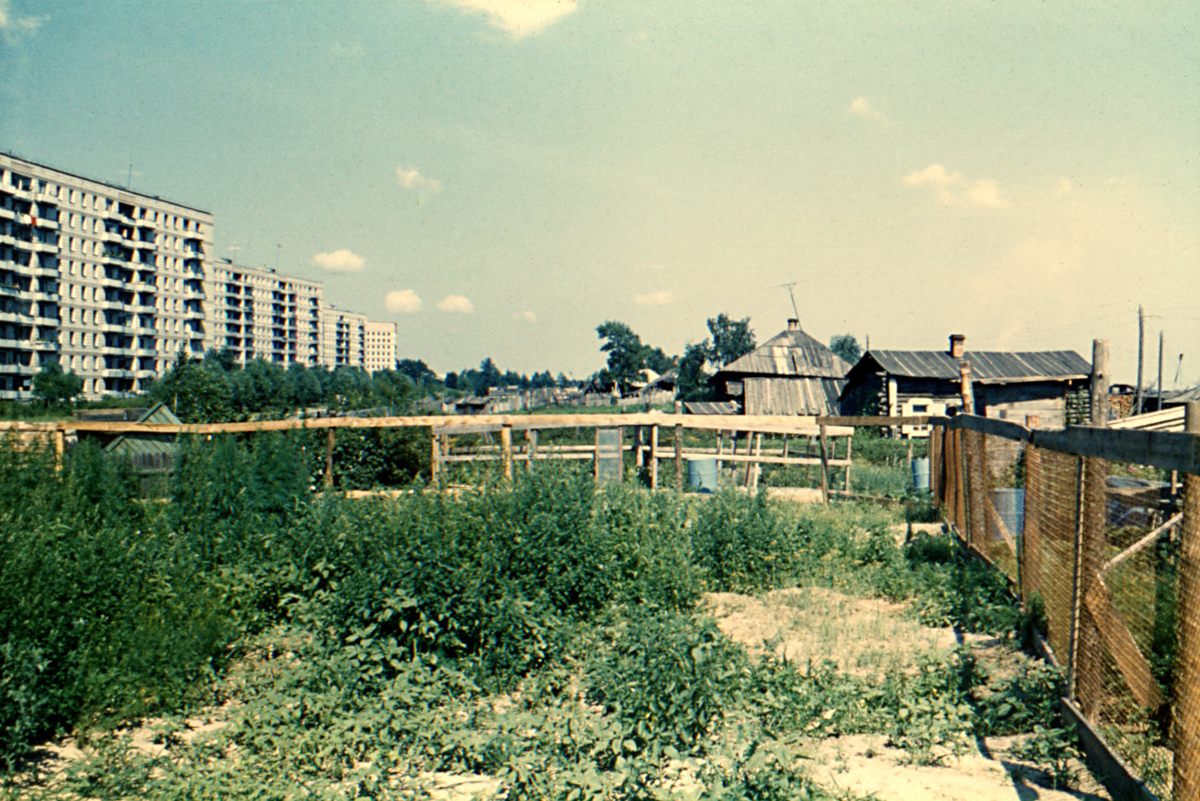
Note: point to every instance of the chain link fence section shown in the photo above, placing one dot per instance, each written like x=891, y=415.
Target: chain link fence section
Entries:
x=1092, y=546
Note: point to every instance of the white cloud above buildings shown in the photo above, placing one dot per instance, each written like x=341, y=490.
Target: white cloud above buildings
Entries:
x=862, y=108
x=403, y=301
x=526, y=316
x=339, y=261
x=411, y=178
x=456, y=303
x=518, y=18
x=14, y=25
x=952, y=188
x=663, y=297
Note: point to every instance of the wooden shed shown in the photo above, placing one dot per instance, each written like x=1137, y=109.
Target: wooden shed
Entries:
x=791, y=374
x=1041, y=388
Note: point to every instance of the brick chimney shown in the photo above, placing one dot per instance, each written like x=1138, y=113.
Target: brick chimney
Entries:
x=793, y=324
x=956, y=345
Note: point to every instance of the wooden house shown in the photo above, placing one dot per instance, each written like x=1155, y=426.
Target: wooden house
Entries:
x=791, y=374
x=1041, y=388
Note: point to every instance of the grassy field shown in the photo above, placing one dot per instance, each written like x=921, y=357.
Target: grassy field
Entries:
x=548, y=639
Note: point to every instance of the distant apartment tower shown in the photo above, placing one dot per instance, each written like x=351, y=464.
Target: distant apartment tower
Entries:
x=258, y=313
x=109, y=282
x=379, y=352
x=343, y=337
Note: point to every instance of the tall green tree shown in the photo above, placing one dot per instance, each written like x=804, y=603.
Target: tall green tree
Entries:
x=626, y=354
x=846, y=346
x=731, y=339
x=195, y=390
x=692, y=380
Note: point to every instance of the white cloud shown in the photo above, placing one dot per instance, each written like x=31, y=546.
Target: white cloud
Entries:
x=954, y=189
x=404, y=301
x=14, y=25
x=456, y=303
x=411, y=178
x=526, y=315
x=862, y=108
x=663, y=297
x=339, y=261
x=518, y=18
x=1063, y=187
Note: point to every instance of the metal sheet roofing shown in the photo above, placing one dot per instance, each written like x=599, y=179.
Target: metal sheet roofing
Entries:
x=985, y=365
x=711, y=407
x=790, y=353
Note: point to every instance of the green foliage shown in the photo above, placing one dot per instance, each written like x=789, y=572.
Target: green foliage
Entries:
x=731, y=339
x=846, y=346
x=542, y=632
x=1054, y=750
x=933, y=719
x=669, y=677
x=52, y=385
x=626, y=354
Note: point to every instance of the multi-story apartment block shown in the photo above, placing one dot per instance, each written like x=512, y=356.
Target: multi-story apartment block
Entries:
x=109, y=282
x=258, y=313
x=114, y=284
x=379, y=351
x=343, y=337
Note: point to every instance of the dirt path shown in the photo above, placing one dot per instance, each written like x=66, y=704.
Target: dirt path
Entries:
x=866, y=636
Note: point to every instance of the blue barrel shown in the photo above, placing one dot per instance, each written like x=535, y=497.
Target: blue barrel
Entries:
x=920, y=471
x=1010, y=506
x=702, y=475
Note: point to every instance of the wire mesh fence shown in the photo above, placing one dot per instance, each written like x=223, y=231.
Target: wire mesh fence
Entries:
x=1093, y=548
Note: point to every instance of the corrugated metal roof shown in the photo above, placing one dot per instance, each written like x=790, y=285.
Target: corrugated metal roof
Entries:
x=985, y=365
x=790, y=353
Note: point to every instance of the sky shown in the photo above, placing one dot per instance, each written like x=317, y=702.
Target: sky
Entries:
x=500, y=177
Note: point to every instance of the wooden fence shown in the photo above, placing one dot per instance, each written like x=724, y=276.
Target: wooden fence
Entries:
x=648, y=449
x=1106, y=544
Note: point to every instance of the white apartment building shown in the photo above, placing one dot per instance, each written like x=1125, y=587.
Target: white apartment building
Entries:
x=343, y=337
x=112, y=283
x=115, y=284
x=258, y=313
x=379, y=350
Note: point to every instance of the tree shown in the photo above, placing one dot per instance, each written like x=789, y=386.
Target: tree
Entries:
x=626, y=354
x=731, y=339
x=847, y=347
x=52, y=385
x=692, y=381
x=198, y=393
x=416, y=369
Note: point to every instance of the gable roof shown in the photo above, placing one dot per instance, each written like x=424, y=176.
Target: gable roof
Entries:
x=986, y=366
x=790, y=353
x=141, y=446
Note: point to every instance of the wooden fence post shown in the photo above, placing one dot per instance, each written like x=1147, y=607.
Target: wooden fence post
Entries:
x=679, y=449
x=1186, y=734
x=435, y=458
x=1089, y=655
x=60, y=445
x=654, y=457
x=506, y=451
x=849, y=442
x=329, y=440
x=824, y=467
x=531, y=438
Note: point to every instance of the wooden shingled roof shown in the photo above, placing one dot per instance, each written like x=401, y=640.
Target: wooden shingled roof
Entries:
x=986, y=366
x=790, y=353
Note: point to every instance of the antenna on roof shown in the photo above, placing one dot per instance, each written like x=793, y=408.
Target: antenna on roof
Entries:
x=793, y=297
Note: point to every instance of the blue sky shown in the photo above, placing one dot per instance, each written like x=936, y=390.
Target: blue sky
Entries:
x=499, y=177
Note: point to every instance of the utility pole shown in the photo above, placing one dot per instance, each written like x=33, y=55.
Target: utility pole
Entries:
x=1137, y=404
x=1160, y=357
